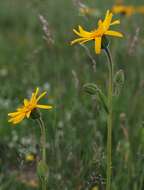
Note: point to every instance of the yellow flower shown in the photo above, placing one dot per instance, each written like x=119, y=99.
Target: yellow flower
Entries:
x=140, y=9
x=29, y=157
x=123, y=9
x=95, y=188
x=99, y=33
x=28, y=106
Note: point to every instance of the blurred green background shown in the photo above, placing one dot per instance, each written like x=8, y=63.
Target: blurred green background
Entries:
x=76, y=127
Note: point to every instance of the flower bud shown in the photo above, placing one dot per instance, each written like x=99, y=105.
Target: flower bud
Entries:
x=91, y=88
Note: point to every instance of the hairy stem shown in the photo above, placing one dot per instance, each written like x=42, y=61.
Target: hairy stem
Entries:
x=109, y=120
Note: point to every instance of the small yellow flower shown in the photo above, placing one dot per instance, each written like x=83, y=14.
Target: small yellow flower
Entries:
x=28, y=106
x=99, y=33
x=29, y=157
x=95, y=188
x=123, y=9
x=140, y=9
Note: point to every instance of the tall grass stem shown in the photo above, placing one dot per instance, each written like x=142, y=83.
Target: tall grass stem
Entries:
x=43, y=148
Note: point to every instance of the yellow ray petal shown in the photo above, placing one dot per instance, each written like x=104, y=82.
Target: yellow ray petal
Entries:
x=34, y=95
x=36, y=92
x=39, y=97
x=44, y=106
x=17, y=119
x=115, y=22
x=114, y=33
x=84, y=32
x=11, y=120
x=19, y=116
x=77, y=40
x=26, y=102
x=13, y=114
x=86, y=40
x=28, y=114
x=100, y=22
x=107, y=14
x=20, y=109
x=76, y=32
x=32, y=98
x=98, y=45
x=107, y=20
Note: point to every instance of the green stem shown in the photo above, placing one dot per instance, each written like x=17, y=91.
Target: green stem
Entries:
x=109, y=120
x=43, y=147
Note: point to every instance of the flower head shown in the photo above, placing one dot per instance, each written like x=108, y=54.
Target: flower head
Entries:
x=28, y=107
x=29, y=157
x=140, y=9
x=98, y=34
x=124, y=10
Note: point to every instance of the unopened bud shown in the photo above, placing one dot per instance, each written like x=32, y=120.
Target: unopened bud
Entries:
x=91, y=88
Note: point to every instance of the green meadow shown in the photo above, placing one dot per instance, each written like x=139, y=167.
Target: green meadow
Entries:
x=76, y=127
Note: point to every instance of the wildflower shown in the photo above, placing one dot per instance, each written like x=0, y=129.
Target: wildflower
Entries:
x=98, y=34
x=124, y=10
x=95, y=188
x=28, y=108
x=29, y=157
x=140, y=9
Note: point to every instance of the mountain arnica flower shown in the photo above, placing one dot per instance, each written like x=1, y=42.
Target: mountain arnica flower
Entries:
x=126, y=10
x=28, y=107
x=140, y=9
x=97, y=35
